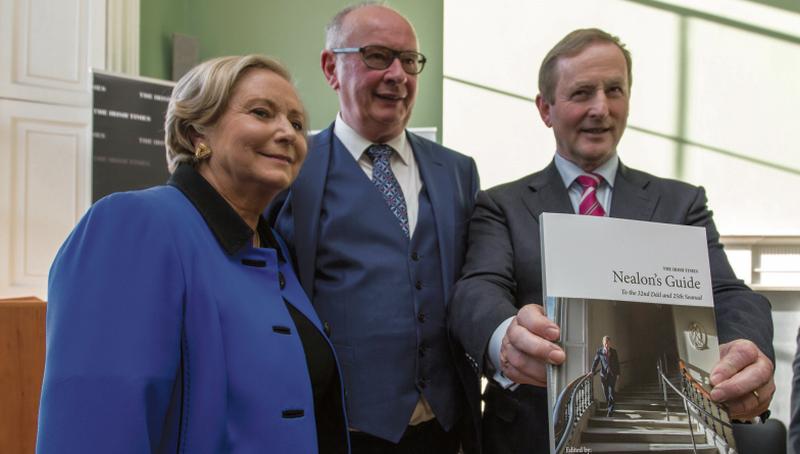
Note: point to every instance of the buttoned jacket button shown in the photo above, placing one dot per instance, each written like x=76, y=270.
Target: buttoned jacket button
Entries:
x=418, y=285
x=472, y=362
x=415, y=256
x=421, y=317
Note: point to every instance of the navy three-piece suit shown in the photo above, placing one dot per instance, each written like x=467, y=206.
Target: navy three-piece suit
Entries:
x=383, y=295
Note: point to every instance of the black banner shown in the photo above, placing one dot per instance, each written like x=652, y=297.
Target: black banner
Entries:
x=128, y=149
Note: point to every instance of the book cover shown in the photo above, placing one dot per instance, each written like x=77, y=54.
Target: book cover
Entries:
x=634, y=303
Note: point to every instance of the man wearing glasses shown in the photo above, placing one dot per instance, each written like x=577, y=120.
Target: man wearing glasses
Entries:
x=377, y=221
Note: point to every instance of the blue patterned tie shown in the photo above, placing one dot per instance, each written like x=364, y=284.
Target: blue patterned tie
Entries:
x=383, y=178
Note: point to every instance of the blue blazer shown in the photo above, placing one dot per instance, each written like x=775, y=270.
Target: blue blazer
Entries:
x=158, y=340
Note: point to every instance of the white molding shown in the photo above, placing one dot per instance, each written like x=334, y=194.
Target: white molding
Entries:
x=122, y=45
x=766, y=263
x=45, y=51
x=97, y=34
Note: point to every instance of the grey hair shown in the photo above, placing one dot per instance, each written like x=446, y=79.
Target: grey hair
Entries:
x=201, y=96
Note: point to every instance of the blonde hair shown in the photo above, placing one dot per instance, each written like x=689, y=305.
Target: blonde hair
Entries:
x=200, y=97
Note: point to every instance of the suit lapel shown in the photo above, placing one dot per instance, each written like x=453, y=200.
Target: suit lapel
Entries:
x=306, y=195
x=631, y=199
x=547, y=194
x=438, y=184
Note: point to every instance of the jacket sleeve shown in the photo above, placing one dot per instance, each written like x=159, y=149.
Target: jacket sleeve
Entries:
x=113, y=332
x=741, y=313
x=483, y=297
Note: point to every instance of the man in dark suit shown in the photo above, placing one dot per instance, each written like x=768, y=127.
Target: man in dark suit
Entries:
x=496, y=312
x=377, y=221
x=606, y=357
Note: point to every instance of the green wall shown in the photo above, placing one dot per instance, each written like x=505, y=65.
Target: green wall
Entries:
x=293, y=32
x=158, y=21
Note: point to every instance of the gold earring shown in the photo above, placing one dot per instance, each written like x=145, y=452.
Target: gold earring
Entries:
x=202, y=151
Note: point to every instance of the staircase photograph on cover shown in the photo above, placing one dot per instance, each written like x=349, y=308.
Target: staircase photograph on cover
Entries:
x=638, y=380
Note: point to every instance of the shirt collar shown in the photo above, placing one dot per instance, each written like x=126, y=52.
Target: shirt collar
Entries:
x=225, y=223
x=357, y=145
x=569, y=171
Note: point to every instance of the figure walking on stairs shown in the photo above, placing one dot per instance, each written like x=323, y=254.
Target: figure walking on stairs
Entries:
x=608, y=361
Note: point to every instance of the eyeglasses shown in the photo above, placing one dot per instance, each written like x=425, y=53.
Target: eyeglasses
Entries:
x=379, y=57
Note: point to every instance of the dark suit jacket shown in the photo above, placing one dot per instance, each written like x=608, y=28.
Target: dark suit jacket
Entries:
x=794, y=420
x=608, y=364
x=502, y=270
x=451, y=181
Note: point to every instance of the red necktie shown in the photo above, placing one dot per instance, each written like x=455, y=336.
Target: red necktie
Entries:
x=588, y=204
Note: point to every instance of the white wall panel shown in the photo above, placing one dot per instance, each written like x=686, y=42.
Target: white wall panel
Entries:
x=45, y=53
x=47, y=195
x=47, y=150
x=41, y=24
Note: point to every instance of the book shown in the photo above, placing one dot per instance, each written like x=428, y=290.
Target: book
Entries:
x=634, y=303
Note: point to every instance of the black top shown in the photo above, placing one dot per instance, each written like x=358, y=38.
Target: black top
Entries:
x=233, y=233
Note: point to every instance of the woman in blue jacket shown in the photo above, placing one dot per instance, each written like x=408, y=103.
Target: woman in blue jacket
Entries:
x=175, y=321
